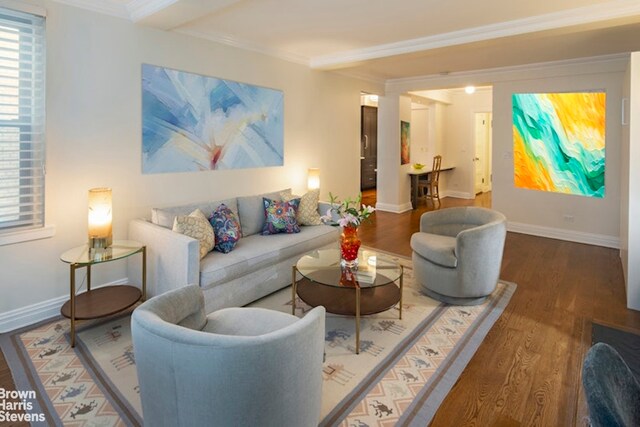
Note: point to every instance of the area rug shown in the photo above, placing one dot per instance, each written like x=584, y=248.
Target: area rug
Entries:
x=403, y=373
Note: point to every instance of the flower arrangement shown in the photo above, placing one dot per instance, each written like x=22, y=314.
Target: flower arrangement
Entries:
x=350, y=212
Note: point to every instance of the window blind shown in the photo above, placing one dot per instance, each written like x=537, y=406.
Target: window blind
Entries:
x=22, y=116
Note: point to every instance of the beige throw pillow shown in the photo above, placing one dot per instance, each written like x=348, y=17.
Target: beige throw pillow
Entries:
x=308, y=208
x=197, y=226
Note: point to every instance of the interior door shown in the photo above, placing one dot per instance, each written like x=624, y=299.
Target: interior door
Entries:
x=481, y=158
x=368, y=147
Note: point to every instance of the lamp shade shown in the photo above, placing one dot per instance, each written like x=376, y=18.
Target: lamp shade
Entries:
x=100, y=218
x=313, y=178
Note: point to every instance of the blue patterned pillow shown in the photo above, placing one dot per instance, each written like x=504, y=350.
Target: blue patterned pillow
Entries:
x=280, y=217
x=226, y=227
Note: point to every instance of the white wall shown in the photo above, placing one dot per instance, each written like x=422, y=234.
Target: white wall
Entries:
x=394, y=186
x=593, y=220
x=630, y=188
x=93, y=137
x=459, y=145
x=419, y=134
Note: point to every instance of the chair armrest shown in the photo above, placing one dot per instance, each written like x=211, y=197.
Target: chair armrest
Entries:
x=173, y=259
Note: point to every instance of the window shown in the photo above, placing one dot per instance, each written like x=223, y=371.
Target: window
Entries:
x=22, y=57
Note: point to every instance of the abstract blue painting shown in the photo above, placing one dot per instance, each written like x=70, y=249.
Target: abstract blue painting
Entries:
x=193, y=123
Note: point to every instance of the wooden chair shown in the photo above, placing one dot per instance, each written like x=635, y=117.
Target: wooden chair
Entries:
x=428, y=188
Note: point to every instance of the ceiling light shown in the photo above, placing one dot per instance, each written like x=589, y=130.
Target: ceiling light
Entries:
x=470, y=89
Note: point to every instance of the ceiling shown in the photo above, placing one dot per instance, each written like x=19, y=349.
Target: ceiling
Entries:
x=383, y=40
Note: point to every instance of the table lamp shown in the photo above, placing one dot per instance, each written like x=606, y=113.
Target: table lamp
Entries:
x=100, y=218
x=313, y=178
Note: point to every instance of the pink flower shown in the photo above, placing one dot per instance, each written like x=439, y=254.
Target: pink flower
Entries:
x=348, y=219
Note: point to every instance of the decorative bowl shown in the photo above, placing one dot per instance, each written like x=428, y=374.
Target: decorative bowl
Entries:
x=418, y=166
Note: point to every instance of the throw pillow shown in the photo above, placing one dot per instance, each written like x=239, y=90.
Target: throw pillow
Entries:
x=308, y=209
x=280, y=217
x=226, y=227
x=197, y=226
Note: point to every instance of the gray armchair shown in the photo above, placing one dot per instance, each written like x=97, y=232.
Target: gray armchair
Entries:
x=235, y=366
x=458, y=253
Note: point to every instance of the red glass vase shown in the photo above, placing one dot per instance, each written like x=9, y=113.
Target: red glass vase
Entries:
x=349, y=246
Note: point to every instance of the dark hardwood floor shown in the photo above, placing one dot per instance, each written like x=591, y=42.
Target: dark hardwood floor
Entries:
x=527, y=370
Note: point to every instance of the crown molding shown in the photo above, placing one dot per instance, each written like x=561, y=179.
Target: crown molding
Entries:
x=360, y=76
x=243, y=44
x=578, y=16
x=484, y=76
x=106, y=7
x=140, y=9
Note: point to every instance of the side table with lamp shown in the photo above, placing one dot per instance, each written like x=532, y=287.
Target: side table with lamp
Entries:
x=106, y=300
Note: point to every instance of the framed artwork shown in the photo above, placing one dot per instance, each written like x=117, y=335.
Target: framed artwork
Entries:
x=192, y=122
x=405, y=142
x=559, y=142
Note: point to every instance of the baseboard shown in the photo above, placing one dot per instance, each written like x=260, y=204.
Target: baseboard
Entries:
x=562, y=234
x=457, y=194
x=388, y=207
x=34, y=313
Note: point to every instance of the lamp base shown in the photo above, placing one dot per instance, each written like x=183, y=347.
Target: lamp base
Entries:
x=100, y=242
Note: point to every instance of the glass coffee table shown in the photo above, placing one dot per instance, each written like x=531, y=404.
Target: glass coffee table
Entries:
x=369, y=289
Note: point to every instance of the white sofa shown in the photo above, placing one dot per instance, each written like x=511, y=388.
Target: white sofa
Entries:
x=258, y=266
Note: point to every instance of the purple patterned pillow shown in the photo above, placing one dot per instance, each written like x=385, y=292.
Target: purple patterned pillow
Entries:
x=226, y=227
x=280, y=217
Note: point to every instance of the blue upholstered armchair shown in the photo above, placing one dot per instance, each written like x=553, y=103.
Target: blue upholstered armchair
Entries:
x=235, y=366
x=457, y=254
x=612, y=392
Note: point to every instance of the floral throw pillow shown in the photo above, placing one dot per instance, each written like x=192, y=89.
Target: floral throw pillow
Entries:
x=197, y=226
x=308, y=209
x=226, y=227
x=280, y=217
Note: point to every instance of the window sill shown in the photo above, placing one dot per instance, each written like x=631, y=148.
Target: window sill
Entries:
x=27, y=235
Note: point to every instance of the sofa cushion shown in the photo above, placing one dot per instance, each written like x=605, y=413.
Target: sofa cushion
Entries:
x=165, y=216
x=251, y=212
x=308, y=209
x=280, y=217
x=196, y=225
x=256, y=252
x=226, y=228
x=435, y=248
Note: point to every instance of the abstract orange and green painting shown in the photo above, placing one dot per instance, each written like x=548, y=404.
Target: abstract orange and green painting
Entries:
x=558, y=142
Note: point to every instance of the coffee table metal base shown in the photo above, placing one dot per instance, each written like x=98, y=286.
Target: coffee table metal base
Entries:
x=350, y=301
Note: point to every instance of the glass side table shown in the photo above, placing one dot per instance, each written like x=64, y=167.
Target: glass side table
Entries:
x=106, y=300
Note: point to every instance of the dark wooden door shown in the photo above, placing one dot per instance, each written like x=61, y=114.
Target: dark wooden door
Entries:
x=368, y=147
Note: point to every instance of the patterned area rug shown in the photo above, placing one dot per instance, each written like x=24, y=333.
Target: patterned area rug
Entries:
x=403, y=372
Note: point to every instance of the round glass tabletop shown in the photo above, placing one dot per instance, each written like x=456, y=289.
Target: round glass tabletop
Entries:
x=374, y=269
x=83, y=255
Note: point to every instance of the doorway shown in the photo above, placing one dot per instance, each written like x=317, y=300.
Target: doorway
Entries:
x=482, y=157
x=368, y=142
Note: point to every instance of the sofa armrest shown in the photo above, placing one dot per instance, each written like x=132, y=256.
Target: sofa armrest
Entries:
x=323, y=207
x=173, y=259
